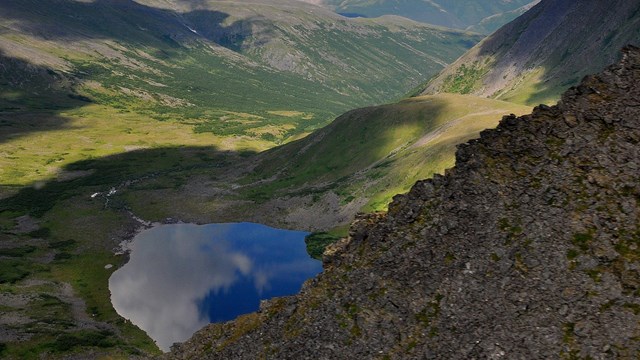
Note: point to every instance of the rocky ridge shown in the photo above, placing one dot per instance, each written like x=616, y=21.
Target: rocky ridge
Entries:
x=527, y=248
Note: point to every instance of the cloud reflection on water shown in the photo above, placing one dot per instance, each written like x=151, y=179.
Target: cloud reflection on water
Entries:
x=178, y=273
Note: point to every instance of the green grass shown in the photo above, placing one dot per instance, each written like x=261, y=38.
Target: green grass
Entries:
x=466, y=78
x=12, y=270
x=531, y=90
x=86, y=338
x=96, y=132
x=51, y=321
x=66, y=343
x=318, y=242
x=86, y=273
x=365, y=157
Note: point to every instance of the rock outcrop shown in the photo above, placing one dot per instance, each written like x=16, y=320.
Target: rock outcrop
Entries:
x=527, y=248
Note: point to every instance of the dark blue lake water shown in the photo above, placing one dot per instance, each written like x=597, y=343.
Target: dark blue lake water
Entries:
x=181, y=277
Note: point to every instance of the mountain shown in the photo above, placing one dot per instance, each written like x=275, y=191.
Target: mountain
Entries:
x=268, y=70
x=483, y=16
x=527, y=248
x=543, y=52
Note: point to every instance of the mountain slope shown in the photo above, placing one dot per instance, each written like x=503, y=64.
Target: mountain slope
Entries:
x=527, y=248
x=458, y=14
x=546, y=50
x=356, y=163
x=362, y=152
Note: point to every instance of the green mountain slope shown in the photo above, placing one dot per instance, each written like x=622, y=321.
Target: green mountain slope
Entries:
x=374, y=153
x=543, y=52
x=356, y=163
x=460, y=14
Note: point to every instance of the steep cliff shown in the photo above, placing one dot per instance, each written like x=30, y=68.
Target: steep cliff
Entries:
x=527, y=248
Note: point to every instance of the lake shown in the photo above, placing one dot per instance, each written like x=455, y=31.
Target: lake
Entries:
x=180, y=277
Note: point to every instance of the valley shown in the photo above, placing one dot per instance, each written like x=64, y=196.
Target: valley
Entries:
x=117, y=115
x=187, y=66
x=191, y=65
x=201, y=184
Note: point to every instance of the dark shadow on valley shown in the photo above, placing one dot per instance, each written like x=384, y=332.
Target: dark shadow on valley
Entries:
x=328, y=156
x=128, y=22
x=119, y=171
x=30, y=96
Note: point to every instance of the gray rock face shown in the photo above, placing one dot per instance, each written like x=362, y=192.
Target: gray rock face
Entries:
x=526, y=249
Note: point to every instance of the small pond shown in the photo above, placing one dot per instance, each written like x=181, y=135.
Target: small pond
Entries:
x=181, y=277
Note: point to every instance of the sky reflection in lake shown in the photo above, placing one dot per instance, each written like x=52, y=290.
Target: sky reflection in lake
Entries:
x=181, y=277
